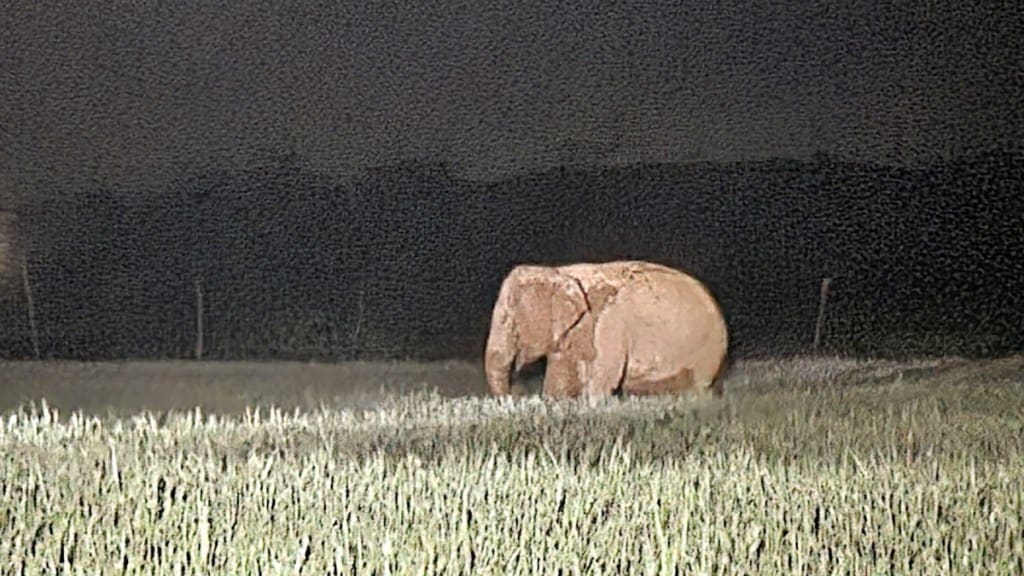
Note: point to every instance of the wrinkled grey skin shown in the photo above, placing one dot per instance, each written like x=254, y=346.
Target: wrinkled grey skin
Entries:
x=633, y=326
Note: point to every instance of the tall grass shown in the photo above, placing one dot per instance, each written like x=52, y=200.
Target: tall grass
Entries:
x=913, y=477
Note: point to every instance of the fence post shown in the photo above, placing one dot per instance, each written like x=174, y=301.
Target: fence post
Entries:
x=821, y=313
x=31, y=307
x=199, y=319
x=354, y=339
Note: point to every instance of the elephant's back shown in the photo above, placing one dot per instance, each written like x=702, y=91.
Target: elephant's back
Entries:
x=654, y=281
x=672, y=296
x=615, y=274
x=666, y=282
x=614, y=267
x=678, y=311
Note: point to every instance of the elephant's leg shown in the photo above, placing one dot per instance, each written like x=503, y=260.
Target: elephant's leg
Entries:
x=608, y=369
x=561, y=379
x=681, y=381
x=607, y=372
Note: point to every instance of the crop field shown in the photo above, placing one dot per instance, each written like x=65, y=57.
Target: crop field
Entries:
x=803, y=467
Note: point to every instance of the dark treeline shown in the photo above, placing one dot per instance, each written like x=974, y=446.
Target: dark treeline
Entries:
x=405, y=261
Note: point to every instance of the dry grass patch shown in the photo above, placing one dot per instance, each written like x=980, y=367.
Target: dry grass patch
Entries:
x=907, y=475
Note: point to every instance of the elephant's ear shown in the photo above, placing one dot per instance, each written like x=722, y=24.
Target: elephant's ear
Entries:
x=568, y=306
x=548, y=306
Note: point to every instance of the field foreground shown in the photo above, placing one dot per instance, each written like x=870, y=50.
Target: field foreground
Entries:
x=804, y=467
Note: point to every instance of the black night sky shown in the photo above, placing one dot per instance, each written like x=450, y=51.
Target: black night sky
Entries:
x=353, y=179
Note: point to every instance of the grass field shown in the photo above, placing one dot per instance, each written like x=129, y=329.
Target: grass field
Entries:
x=804, y=467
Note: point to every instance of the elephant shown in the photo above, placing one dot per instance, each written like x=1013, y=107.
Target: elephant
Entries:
x=621, y=327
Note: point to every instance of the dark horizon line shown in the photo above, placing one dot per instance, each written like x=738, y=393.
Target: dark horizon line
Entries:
x=1014, y=152
x=289, y=161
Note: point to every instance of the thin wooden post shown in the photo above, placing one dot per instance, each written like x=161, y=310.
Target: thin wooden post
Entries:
x=31, y=308
x=357, y=328
x=199, y=319
x=821, y=312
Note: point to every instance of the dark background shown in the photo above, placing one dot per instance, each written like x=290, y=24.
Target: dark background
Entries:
x=349, y=180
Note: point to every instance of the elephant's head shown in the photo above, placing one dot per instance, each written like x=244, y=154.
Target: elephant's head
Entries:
x=536, y=309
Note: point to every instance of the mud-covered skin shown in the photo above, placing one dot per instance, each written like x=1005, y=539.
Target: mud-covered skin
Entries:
x=633, y=326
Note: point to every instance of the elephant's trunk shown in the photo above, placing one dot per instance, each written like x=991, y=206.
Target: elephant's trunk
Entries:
x=500, y=354
x=498, y=368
